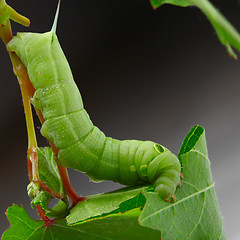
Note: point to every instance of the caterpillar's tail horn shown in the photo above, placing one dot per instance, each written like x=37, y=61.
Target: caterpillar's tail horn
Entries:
x=54, y=26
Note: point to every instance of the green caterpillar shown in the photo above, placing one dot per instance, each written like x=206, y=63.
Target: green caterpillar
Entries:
x=82, y=146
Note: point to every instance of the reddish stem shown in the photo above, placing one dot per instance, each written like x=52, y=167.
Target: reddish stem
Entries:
x=46, y=188
x=29, y=165
x=63, y=171
x=6, y=32
x=68, y=187
x=43, y=216
x=65, y=179
x=33, y=157
x=21, y=72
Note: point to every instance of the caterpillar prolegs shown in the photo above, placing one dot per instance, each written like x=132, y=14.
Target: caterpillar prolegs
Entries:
x=82, y=146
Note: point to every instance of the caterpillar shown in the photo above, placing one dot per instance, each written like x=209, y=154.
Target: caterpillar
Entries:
x=83, y=146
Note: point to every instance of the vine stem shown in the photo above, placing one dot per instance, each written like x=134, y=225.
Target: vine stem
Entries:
x=226, y=32
x=68, y=187
x=43, y=216
x=27, y=90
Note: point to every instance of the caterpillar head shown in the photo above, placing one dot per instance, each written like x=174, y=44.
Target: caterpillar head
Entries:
x=164, y=171
x=159, y=166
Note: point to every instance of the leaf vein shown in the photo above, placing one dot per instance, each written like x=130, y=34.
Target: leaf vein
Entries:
x=171, y=224
x=20, y=220
x=183, y=199
x=79, y=230
x=200, y=153
x=200, y=217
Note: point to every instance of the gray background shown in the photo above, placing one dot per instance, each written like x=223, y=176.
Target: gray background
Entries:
x=143, y=74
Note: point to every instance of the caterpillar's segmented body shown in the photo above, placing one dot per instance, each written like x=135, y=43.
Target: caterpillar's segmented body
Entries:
x=82, y=146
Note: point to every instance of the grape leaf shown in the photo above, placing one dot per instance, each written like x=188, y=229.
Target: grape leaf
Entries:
x=101, y=205
x=49, y=174
x=195, y=214
x=48, y=170
x=227, y=34
x=113, y=228
x=22, y=226
x=116, y=215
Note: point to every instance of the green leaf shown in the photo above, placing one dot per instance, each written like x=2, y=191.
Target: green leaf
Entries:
x=120, y=228
x=181, y=3
x=101, y=205
x=227, y=34
x=116, y=215
x=114, y=228
x=195, y=214
x=48, y=170
x=22, y=226
x=191, y=141
x=49, y=174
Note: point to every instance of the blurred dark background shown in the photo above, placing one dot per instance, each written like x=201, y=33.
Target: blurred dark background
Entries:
x=143, y=74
